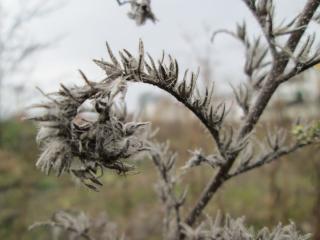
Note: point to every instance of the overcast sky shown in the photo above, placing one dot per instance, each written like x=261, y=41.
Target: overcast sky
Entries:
x=87, y=24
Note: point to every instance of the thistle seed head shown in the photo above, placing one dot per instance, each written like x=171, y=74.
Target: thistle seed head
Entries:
x=72, y=143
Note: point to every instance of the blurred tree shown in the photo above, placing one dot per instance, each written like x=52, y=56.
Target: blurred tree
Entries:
x=16, y=45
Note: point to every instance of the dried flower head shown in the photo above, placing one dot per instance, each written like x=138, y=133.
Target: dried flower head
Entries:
x=71, y=142
x=141, y=11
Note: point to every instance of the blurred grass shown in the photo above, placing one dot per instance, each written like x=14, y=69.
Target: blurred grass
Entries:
x=276, y=193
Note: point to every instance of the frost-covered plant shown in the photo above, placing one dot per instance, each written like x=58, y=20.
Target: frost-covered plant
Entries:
x=236, y=229
x=83, y=147
x=77, y=226
x=81, y=144
x=140, y=11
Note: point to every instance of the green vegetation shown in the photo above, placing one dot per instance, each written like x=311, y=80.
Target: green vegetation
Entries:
x=281, y=191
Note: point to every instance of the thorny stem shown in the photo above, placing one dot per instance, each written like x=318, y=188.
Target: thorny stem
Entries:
x=213, y=132
x=268, y=158
x=263, y=24
x=256, y=110
x=299, y=69
x=279, y=67
x=172, y=204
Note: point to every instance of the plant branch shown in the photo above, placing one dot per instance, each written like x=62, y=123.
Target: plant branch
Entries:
x=165, y=162
x=255, y=111
x=166, y=77
x=265, y=24
x=123, y=3
x=299, y=68
x=266, y=159
x=59, y=225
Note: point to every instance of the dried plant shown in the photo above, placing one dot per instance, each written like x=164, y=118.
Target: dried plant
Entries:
x=140, y=11
x=106, y=141
x=76, y=226
x=71, y=143
x=236, y=229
